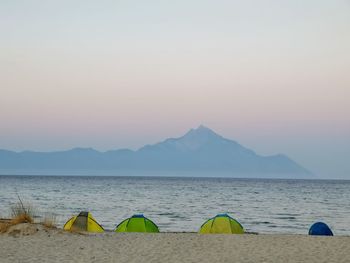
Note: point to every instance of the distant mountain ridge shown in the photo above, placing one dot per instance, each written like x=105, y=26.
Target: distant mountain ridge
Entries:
x=200, y=150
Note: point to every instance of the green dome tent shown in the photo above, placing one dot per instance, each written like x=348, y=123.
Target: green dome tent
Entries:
x=137, y=223
x=83, y=222
x=221, y=224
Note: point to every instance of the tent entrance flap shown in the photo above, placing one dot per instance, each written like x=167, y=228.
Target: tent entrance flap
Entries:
x=81, y=222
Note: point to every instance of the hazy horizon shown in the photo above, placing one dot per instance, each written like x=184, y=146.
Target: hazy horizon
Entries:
x=272, y=76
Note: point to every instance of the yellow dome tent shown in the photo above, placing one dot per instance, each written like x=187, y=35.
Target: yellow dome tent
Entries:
x=221, y=224
x=83, y=222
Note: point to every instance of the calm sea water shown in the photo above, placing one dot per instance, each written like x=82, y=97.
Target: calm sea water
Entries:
x=183, y=204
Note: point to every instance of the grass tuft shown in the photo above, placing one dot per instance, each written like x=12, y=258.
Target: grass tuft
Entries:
x=24, y=211
x=50, y=220
x=20, y=213
x=23, y=218
x=5, y=224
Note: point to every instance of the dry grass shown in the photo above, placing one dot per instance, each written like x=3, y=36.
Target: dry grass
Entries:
x=20, y=213
x=49, y=220
x=5, y=224
x=24, y=211
x=23, y=218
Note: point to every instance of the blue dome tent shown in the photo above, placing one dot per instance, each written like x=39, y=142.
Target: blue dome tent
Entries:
x=320, y=229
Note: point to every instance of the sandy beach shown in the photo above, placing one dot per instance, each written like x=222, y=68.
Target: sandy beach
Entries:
x=35, y=243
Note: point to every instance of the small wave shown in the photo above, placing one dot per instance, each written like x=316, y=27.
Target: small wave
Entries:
x=286, y=217
x=261, y=223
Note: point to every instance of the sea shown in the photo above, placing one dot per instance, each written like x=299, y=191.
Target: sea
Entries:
x=178, y=204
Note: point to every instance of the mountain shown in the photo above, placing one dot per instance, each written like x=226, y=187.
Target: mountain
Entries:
x=200, y=151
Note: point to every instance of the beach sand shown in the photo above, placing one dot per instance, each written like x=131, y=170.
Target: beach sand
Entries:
x=35, y=243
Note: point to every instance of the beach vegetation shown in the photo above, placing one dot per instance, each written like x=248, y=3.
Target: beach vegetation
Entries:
x=22, y=212
x=49, y=220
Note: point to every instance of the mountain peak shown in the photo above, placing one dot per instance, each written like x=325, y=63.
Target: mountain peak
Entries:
x=195, y=139
x=201, y=131
x=190, y=141
x=202, y=127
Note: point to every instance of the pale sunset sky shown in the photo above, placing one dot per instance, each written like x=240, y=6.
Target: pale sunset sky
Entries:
x=272, y=75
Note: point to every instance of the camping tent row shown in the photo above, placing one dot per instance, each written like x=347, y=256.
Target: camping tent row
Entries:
x=220, y=224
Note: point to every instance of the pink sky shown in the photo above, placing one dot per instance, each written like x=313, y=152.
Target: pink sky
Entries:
x=110, y=75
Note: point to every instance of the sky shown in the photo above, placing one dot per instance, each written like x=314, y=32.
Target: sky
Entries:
x=272, y=75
